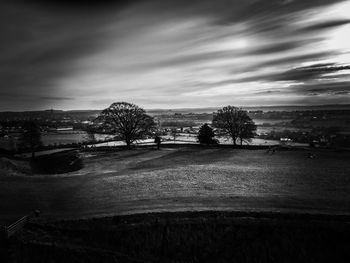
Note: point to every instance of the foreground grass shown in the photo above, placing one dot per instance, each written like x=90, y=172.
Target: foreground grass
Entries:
x=189, y=237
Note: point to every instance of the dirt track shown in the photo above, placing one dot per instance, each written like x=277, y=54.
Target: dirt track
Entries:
x=184, y=179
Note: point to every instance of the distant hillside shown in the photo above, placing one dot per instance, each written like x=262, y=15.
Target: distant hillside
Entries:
x=49, y=114
x=88, y=114
x=252, y=108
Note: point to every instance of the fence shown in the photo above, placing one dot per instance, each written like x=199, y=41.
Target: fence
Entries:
x=6, y=254
x=19, y=224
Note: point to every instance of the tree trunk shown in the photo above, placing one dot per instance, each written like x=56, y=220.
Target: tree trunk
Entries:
x=234, y=141
x=241, y=141
x=128, y=144
x=33, y=152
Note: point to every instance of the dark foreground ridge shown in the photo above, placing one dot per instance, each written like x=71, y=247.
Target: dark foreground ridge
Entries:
x=188, y=237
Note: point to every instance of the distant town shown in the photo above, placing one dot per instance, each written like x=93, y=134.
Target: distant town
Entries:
x=318, y=126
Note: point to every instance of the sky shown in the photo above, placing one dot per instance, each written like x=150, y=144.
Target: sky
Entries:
x=173, y=54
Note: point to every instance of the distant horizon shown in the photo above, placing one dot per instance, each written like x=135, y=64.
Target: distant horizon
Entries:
x=193, y=108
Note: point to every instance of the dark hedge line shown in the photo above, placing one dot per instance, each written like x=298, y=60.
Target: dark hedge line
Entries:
x=62, y=162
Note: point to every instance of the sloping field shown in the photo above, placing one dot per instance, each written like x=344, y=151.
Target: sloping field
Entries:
x=187, y=178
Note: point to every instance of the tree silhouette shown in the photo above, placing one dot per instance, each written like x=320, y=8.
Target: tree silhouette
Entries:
x=206, y=135
x=90, y=134
x=235, y=123
x=128, y=121
x=31, y=136
x=248, y=130
x=173, y=133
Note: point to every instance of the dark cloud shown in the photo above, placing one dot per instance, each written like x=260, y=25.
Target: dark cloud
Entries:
x=79, y=5
x=295, y=59
x=329, y=88
x=267, y=92
x=182, y=60
x=266, y=15
x=312, y=72
x=333, y=88
x=326, y=25
x=281, y=47
x=225, y=54
x=300, y=74
x=345, y=92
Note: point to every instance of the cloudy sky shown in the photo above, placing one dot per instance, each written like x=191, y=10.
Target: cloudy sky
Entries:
x=173, y=54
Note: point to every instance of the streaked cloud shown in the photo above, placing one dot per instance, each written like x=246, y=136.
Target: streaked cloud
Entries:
x=173, y=54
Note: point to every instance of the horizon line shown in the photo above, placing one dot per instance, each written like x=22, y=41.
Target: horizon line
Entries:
x=192, y=108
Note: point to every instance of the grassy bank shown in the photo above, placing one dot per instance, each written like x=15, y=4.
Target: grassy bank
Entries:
x=189, y=237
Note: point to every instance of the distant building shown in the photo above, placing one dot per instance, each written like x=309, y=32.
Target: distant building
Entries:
x=87, y=122
x=65, y=129
x=61, y=129
x=285, y=141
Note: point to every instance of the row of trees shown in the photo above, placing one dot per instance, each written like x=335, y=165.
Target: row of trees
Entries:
x=131, y=123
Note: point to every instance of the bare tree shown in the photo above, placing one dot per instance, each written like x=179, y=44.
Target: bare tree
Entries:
x=173, y=133
x=247, y=130
x=128, y=121
x=90, y=135
x=235, y=123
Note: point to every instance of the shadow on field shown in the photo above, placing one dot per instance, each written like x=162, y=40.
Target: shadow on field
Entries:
x=57, y=163
x=189, y=237
x=185, y=156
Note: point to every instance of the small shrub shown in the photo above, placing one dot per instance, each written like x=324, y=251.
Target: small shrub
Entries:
x=206, y=135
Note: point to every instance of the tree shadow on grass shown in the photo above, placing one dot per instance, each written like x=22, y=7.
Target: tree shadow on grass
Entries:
x=118, y=155
x=185, y=156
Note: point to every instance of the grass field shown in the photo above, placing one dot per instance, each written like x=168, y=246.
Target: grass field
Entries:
x=185, y=178
x=188, y=237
